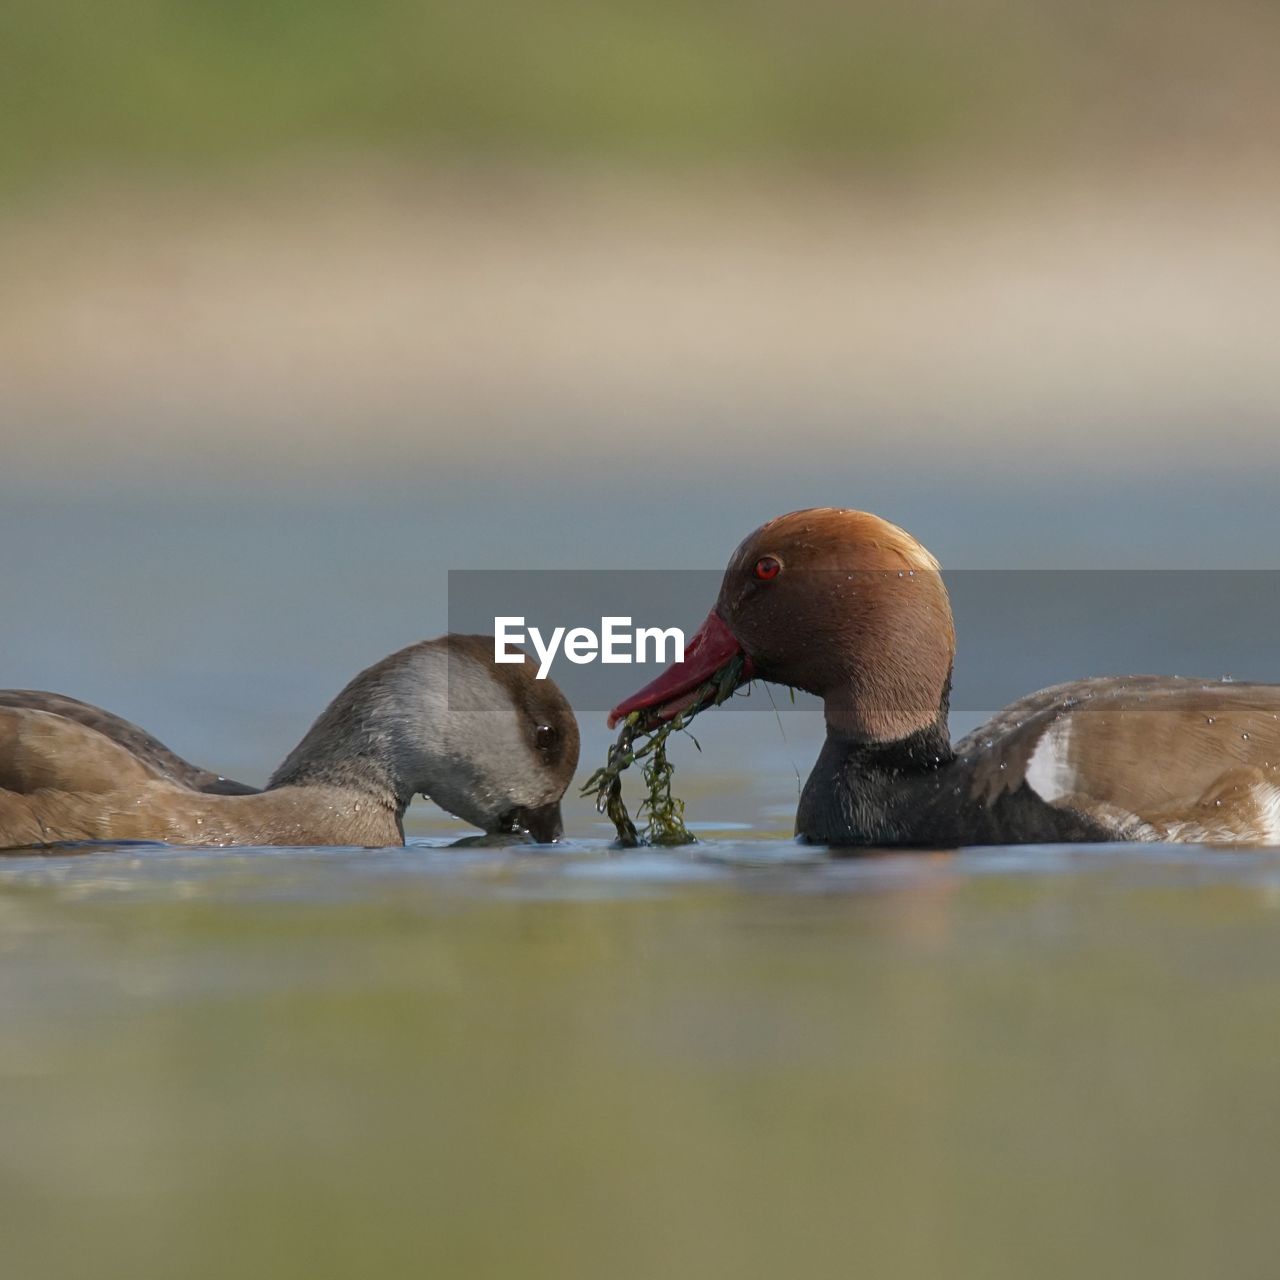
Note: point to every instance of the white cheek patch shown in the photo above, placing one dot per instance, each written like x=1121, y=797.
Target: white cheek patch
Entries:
x=468, y=737
x=504, y=757
x=1050, y=773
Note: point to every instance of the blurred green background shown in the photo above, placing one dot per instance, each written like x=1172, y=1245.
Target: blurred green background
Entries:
x=932, y=231
x=149, y=84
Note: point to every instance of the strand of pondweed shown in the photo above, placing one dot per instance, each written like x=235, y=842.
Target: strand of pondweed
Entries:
x=663, y=812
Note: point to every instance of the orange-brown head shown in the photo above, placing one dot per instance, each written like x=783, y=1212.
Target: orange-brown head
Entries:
x=838, y=603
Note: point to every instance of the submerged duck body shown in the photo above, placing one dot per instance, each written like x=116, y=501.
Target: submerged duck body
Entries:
x=851, y=608
x=487, y=742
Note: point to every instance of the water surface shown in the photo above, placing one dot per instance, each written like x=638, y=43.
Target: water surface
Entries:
x=745, y=1059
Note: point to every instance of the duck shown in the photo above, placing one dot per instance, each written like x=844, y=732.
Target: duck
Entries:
x=851, y=608
x=486, y=741
x=137, y=741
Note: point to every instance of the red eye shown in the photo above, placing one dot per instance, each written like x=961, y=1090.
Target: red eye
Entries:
x=767, y=568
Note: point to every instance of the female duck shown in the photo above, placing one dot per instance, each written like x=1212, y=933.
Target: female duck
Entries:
x=851, y=608
x=487, y=742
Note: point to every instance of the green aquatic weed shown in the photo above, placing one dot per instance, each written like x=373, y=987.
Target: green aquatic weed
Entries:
x=663, y=812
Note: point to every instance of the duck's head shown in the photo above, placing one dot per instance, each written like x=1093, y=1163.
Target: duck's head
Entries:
x=507, y=747
x=486, y=741
x=839, y=603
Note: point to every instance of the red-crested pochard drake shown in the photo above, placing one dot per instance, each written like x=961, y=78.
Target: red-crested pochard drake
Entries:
x=486, y=741
x=853, y=609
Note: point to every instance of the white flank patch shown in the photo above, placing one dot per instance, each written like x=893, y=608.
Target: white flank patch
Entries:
x=1267, y=796
x=1049, y=771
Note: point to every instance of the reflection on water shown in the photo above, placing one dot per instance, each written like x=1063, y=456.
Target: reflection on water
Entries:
x=743, y=1059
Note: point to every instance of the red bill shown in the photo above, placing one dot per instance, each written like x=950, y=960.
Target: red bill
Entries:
x=683, y=683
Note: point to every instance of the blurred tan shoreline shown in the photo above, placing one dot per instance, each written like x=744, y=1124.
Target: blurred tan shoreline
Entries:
x=371, y=310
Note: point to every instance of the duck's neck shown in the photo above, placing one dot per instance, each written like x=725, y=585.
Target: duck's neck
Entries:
x=920, y=738
x=362, y=743
x=920, y=752
x=361, y=767
x=861, y=789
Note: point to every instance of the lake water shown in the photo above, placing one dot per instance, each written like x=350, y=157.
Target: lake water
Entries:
x=744, y=1059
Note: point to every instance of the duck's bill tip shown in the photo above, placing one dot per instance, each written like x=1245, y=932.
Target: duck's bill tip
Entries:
x=680, y=685
x=543, y=825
